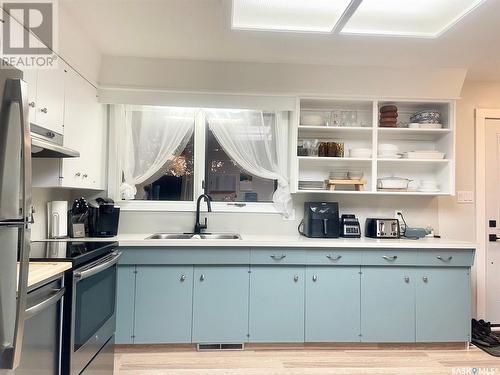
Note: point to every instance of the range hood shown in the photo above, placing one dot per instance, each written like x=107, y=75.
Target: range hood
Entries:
x=43, y=149
x=48, y=144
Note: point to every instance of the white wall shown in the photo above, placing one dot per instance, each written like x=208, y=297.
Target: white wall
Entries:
x=458, y=220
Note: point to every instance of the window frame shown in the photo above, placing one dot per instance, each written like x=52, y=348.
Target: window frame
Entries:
x=114, y=168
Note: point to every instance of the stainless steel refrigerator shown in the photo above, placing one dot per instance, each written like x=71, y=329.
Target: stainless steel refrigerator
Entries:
x=15, y=214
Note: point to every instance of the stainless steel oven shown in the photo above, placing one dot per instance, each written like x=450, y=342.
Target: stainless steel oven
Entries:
x=93, y=318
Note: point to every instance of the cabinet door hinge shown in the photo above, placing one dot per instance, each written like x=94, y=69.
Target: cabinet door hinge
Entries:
x=360, y=272
x=249, y=271
x=135, y=272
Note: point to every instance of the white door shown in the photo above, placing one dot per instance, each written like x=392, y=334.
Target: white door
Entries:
x=492, y=183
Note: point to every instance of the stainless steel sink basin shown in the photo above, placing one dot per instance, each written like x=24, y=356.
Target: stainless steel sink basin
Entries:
x=170, y=236
x=218, y=236
x=188, y=236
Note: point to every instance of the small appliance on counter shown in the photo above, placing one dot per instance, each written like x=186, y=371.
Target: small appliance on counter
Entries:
x=77, y=218
x=57, y=219
x=382, y=228
x=321, y=220
x=350, y=227
x=103, y=218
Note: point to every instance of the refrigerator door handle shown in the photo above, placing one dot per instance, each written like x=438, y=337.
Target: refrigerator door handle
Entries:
x=16, y=92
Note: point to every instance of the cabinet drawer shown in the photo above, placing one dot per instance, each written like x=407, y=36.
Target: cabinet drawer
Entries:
x=389, y=258
x=445, y=258
x=277, y=256
x=334, y=257
x=187, y=255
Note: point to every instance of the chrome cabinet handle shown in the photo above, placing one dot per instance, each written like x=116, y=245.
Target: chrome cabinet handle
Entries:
x=278, y=257
x=334, y=257
x=444, y=259
x=78, y=174
x=202, y=277
x=407, y=279
x=296, y=278
x=44, y=110
x=183, y=278
x=391, y=258
x=31, y=104
x=425, y=279
x=315, y=278
x=85, y=175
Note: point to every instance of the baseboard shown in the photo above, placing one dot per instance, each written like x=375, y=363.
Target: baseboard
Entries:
x=153, y=348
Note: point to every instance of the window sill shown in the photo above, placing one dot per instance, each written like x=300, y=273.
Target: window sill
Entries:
x=223, y=207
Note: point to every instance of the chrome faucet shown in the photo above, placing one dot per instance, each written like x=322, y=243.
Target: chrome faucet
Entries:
x=198, y=227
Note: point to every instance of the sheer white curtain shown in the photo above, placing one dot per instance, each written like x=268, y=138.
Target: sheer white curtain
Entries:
x=258, y=145
x=150, y=138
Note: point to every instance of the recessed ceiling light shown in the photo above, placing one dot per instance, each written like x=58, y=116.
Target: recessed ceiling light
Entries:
x=288, y=15
x=418, y=18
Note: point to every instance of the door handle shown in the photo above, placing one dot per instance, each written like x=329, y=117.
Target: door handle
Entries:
x=425, y=279
x=183, y=278
x=202, y=277
x=296, y=278
x=444, y=259
x=333, y=257
x=55, y=297
x=315, y=278
x=278, y=257
x=407, y=279
x=391, y=258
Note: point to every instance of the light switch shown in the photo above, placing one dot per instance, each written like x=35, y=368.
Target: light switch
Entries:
x=465, y=196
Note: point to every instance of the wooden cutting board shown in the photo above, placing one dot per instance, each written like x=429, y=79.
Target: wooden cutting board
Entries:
x=41, y=271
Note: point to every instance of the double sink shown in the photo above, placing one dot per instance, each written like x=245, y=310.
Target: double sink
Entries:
x=194, y=236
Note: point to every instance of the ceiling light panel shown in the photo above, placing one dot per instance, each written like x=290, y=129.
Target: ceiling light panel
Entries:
x=419, y=18
x=288, y=15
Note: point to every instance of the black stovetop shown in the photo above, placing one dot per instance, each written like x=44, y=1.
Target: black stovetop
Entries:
x=78, y=252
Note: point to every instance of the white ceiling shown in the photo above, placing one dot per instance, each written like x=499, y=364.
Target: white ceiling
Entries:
x=200, y=30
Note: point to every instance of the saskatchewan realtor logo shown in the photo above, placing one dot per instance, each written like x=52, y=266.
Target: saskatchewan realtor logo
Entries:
x=29, y=34
x=475, y=370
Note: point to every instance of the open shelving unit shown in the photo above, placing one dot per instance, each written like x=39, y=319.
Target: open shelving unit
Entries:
x=363, y=130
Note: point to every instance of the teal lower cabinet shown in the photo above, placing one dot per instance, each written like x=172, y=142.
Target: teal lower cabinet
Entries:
x=220, y=304
x=125, y=304
x=163, y=309
x=332, y=304
x=387, y=304
x=277, y=304
x=443, y=304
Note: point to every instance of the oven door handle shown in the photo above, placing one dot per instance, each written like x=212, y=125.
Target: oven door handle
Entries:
x=113, y=259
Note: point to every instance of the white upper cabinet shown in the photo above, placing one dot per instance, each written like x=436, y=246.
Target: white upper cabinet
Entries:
x=49, y=102
x=381, y=141
x=46, y=97
x=85, y=130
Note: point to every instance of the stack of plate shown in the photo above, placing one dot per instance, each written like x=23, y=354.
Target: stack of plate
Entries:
x=311, y=185
x=388, y=151
x=428, y=186
x=424, y=154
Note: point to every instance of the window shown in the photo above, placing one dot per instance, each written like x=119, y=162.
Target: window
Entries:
x=226, y=181
x=175, y=154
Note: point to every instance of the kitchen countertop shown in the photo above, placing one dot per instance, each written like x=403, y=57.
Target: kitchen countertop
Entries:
x=139, y=240
x=41, y=271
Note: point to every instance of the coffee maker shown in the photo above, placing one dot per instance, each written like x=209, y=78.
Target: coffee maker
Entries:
x=321, y=220
x=104, y=217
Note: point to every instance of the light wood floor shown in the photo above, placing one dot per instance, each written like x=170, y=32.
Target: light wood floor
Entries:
x=293, y=361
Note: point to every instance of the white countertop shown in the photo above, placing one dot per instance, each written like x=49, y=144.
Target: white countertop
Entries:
x=139, y=240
